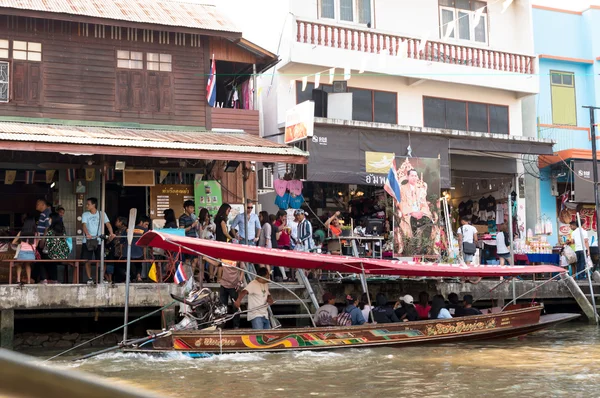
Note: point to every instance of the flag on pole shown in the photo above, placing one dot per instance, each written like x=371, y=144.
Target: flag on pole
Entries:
x=30, y=177
x=392, y=185
x=9, y=176
x=50, y=176
x=71, y=175
x=211, y=84
x=153, y=273
x=110, y=174
x=180, y=275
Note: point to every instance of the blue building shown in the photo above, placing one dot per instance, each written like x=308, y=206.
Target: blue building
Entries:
x=568, y=46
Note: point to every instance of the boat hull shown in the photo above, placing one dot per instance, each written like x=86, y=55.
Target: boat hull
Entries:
x=515, y=322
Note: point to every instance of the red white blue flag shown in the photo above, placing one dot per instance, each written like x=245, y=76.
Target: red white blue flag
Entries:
x=71, y=175
x=30, y=177
x=392, y=185
x=180, y=275
x=211, y=84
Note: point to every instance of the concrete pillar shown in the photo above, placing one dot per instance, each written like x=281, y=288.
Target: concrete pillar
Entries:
x=580, y=298
x=168, y=318
x=7, y=328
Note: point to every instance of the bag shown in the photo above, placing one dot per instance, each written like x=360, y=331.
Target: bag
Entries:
x=506, y=238
x=570, y=255
x=468, y=247
x=344, y=319
x=70, y=244
x=92, y=245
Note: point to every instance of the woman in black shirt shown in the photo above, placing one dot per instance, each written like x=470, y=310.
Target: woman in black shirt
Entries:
x=170, y=219
x=222, y=234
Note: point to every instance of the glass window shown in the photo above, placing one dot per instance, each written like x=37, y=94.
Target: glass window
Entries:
x=556, y=78
x=564, y=101
x=462, y=4
x=364, y=11
x=434, y=112
x=347, y=10
x=481, y=30
x=447, y=18
x=130, y=59
x=328, y=9
x=478, y=117
x=4, y=81
x=464, y=25
x=463, y=13
x=158, y=62
x=567, y=80
x=3, y=48
x=362, y=104
x=498, y=119
x=386, y=107
x=456, y=115
x=26, y=51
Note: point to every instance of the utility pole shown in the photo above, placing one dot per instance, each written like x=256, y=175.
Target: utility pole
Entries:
x=594, y=161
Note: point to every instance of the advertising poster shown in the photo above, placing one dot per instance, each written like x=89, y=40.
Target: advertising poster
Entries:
x=300, y=122
x=207, y=194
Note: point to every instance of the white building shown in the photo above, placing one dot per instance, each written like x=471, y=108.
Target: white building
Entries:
x=447, y=77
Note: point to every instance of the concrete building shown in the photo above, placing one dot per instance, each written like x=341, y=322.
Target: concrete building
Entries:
x=446, y=78
x=568, y=62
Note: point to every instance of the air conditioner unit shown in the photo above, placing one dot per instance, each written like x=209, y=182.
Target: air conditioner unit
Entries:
x=265, y=179
x=340, y=86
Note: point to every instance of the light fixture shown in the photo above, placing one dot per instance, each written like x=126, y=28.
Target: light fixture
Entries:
x=52, y=185
x=120, y=165
x=231, y=166
x=340, y=193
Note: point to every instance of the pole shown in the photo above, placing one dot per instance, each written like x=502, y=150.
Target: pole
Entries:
x=255, y=91
x=366, y=290
x=512, y=250
x=245, y=204
x=594, y=161
x=589, y=275
x=130, y=228
x=449, y=232
x=102, y=217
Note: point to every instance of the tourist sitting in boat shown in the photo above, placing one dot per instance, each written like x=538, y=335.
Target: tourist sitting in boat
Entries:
x=468, y=309
x=352, y=315
x=405, y=309
x=258, y=298
x=383, y=313
x=453, y=303
x=423, y=306
x=438, y=308
x=364, y=307
x=327, y=313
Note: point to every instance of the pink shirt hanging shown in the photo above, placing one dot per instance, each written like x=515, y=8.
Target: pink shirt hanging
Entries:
x=295, y=187
x=280, y=187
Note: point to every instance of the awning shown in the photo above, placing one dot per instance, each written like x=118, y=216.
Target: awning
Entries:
x=222, y=145
x=301, y=260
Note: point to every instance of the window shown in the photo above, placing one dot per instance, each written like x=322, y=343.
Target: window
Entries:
x=130, y=59
x=160, y=62
x=4, y=49
x=462, y=13
x=3, y=81
x=564, y=109
x=467, y=116
x=27, y=51
x=367, y=105
x=354, y=11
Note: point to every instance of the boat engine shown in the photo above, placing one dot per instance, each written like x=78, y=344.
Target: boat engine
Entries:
x=203, y=309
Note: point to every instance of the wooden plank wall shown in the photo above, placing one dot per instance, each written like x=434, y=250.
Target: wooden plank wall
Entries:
x=232, y=189
x=79, y=73
x=242, y=119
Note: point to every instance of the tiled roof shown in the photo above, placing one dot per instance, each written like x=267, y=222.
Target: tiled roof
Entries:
x=159, y=12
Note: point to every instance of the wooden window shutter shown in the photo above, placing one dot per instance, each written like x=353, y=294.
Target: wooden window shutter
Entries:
x=166, y=92
x=34, y=83
x=564, y=110
x=153, y=92
x=123, y=100
x=20, y=81
x=137, y=90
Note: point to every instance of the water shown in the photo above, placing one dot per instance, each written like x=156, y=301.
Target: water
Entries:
x=560, y=362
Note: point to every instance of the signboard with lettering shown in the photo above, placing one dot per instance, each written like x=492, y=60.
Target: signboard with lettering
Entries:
x=208, y=195
x=300, y=122
x=163, y=197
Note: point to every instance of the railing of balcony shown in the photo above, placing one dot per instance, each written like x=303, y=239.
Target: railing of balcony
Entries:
x=367, y=41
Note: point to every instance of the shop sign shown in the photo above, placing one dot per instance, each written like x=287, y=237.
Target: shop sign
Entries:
x=584, y=182
x=300, y=122
x=586, y=213
x=208, y=194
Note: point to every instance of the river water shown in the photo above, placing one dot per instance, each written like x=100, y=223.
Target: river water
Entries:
x=560, y=362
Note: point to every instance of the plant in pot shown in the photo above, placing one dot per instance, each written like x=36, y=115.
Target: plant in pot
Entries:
x=346, y=230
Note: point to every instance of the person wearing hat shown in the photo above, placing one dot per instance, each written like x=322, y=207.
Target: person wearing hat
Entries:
x=405, y=309
x=304, y=241
x=327, y=313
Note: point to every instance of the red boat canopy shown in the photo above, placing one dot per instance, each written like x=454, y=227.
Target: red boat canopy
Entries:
x=326, y=262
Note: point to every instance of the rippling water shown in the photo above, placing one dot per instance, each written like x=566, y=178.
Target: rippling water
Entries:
x=561, y=362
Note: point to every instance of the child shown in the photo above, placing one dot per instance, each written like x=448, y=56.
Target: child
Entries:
x=28, y=246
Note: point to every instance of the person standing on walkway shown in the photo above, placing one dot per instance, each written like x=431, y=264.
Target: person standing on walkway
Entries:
x=92, y=231
x=239, y=224
x=580, y=247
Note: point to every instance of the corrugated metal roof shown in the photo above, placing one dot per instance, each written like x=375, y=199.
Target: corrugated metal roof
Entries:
x=138, y=138
x=160, y=12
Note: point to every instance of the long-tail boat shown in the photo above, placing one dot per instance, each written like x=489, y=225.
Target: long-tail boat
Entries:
x=188, y=338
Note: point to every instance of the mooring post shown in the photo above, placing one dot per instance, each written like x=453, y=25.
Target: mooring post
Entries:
x=168, y=316
x=7, y=328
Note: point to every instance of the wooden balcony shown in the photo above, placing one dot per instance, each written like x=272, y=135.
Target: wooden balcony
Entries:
x=242, y=119
x=367, y=41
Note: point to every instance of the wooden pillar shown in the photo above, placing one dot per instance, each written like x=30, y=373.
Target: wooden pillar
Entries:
x=168, y=318
x=7, y=328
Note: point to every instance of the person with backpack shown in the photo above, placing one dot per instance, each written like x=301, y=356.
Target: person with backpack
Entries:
x=502, y=246
x=352, y=315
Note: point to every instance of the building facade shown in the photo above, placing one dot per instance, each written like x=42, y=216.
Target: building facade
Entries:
x=439, y=79
x=569, y=68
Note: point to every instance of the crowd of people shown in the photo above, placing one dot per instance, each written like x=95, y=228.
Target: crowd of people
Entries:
x=358, y=311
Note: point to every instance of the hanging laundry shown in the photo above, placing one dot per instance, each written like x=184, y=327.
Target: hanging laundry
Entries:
x=295, y=187
x=245, y=95
x=283, y=201
x=235, y=99
x=296, y=201
x=280, y=187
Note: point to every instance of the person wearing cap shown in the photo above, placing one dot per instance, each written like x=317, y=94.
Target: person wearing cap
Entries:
x=405, y=309
x=383, y=313
x=327, y=313
x=304, y=241
x=355, y=314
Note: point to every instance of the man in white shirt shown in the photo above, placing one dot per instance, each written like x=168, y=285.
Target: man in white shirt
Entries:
x=467, y=234
x=258, y=298
x=580, y=247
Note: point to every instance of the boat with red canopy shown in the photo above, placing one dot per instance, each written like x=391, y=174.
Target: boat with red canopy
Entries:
x=189, y=339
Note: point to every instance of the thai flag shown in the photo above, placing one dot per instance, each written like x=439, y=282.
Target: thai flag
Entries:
x=180, y=275
x=30, y=177
x=70, y=175
x=211, y=84
x=110, y=174
x=392, y=185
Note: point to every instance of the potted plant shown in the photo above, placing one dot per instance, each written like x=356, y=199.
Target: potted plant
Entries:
x=346, y=230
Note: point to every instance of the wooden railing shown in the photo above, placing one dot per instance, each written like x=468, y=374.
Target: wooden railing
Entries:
x=367, y=41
